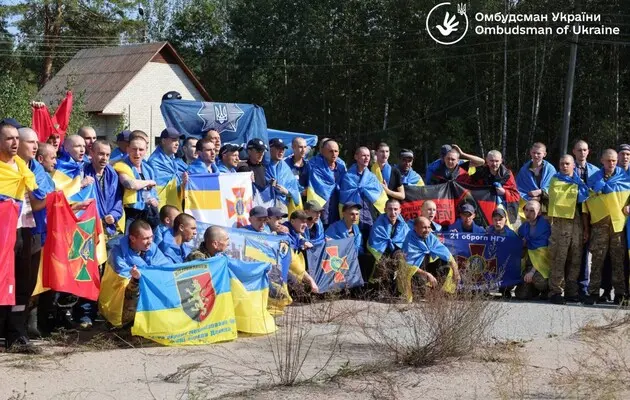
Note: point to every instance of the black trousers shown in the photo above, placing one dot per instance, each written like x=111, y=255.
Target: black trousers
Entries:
x=27, y=251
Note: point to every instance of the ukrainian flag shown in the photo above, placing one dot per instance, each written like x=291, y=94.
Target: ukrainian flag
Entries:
x=68, y=176
x=355, y=188
x=565, y=192
x=167, y=178
x=112, y=296
x=537, y=245
x=186, y=304
x=130, y=196
x=14, y=184
x=416, y=249
x=259, y=251
x=608, y=197
x=203, y=198
x=249, y=283
x=383, y=236
x=321, y=180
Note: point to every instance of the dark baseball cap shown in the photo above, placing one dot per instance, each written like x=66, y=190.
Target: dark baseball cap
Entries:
x=259, y=212
x=123, y=136
x=312, y=205
x=300, y=214
x=276, y=212
x=466, y=208
x=171, y=133
x=277, y=142
x=445, y=149
x=229, y=147
x=350, y=205
x=406, y=153
x=11, y=121
x=623, y=147
x=499, y=211
x=256, y=144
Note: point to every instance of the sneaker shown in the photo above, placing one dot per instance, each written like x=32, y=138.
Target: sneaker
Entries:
x=604, y=298
x=23, y=346
x=557, y=299
x=86, y=323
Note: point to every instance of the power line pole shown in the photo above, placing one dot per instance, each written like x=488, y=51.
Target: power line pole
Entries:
x=568, y=94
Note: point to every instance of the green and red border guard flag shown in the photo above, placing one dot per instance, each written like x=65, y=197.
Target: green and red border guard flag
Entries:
x=70, y=262
x=9, y=210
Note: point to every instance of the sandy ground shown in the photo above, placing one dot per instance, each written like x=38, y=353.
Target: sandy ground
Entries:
x=532, y=350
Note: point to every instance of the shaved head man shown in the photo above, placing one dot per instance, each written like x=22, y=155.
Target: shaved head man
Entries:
x=89, y=135
x=47, y=156
x=27, y=149
x=74, y=145
x=299, y=164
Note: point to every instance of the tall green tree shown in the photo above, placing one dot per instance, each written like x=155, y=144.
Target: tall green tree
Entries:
x=51, y=31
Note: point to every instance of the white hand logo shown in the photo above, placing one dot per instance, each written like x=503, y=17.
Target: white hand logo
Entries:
x=450, y=25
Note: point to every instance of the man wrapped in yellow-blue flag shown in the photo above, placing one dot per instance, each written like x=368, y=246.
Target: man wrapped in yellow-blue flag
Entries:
x=419, y=249
x=285, y=187
x=325, y=175
x=389, y=231
x=360, y=186
x=69, y=174
x=610, y=191
x=167, y=176
x=131, y=255
x=535, y=231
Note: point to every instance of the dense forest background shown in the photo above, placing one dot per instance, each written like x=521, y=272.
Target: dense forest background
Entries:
x=361, y=71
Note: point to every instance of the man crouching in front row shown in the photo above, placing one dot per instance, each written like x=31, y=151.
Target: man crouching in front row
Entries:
x=420, y=248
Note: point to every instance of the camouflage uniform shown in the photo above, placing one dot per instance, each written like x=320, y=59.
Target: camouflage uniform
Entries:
x=131, y=302
x=201, y=254
x=604, y=238
x=527, y=291
x=566, y=245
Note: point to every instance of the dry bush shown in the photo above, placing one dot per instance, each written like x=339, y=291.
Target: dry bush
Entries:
x=434, y=327
x=292, y=344
x=601, y=367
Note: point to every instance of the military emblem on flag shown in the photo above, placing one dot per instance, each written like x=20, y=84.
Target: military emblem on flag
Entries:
x=196, y=293
x=476, y=265
x=70, y=261
x=82, y=250
x=334, y=263
x=239, y=206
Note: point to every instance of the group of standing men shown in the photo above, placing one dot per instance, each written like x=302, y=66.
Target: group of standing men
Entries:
x=579, y=201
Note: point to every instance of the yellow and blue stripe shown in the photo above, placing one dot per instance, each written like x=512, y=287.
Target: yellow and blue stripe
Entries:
x=203, y=198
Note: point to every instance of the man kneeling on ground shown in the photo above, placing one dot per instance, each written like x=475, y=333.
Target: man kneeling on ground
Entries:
x=535, y=232
x=420, y=248
x=135, y=252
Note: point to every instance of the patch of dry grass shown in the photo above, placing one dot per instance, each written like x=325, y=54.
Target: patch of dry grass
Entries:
x=435, y=327
x=292, y=344
x=601, y=367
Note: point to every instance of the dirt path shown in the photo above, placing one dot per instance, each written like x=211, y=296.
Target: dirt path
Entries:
x=532, y=348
